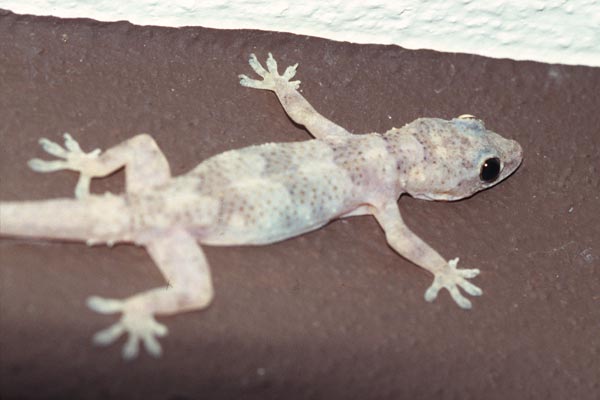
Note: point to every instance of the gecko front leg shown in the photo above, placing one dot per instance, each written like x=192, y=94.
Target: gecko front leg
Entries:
x=184, y=266
x=292, y=101
x=410, y=246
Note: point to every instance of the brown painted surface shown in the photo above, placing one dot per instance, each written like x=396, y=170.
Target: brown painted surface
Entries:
x=334, y=313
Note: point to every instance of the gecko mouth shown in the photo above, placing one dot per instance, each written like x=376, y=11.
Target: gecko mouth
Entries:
x=442, y=196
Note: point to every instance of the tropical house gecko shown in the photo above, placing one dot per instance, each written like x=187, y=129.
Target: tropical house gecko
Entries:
x=260, y=194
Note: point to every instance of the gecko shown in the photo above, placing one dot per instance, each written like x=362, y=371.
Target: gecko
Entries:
x=258, y=195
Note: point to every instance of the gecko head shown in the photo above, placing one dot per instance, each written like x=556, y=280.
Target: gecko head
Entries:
x=459, y=158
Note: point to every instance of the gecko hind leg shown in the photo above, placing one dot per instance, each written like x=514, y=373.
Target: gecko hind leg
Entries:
x=72, y=158
x=145, y=165
x=189, y=287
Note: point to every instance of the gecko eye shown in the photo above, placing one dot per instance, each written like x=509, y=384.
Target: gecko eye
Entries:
x=490, y=170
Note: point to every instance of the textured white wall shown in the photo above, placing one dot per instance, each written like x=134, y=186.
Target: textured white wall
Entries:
x=555, y=31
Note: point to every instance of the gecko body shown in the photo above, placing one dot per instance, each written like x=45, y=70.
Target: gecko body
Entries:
x=258, y=195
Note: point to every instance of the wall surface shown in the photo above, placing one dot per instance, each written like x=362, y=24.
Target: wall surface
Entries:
x=553, y=31
x=332, y=314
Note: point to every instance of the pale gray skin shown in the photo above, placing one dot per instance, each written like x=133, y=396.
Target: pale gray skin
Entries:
x=257, y=195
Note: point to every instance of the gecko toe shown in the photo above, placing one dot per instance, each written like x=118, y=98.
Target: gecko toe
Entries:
x=468, y=273
x=256, y=66
x=432, y=292
x=251, y=83
x=82, y=188
x=108, y=335
x=272, y=65
x=39, y=165
x=152, y=346
x=461, y=300
x=290, y=72
x=104, y=306
x=53, y=148
x=131, y=347
x=71, y=144
x=470, y=288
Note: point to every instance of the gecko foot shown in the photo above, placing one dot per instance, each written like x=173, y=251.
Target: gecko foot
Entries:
x=451, y=278
x=271, y=78
x=140, y=325
x=73, y=158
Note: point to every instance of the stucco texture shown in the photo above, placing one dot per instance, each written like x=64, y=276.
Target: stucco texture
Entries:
x=334, y=313
x=555, y=31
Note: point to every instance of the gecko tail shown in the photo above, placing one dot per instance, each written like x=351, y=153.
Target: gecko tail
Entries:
x=95, y=218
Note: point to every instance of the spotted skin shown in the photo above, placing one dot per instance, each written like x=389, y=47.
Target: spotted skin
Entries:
x=258, y=195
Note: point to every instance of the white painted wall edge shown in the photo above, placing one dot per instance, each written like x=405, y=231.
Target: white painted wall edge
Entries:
x=551, y=31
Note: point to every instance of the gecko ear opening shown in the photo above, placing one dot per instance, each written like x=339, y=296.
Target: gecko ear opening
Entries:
x=490, y=170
